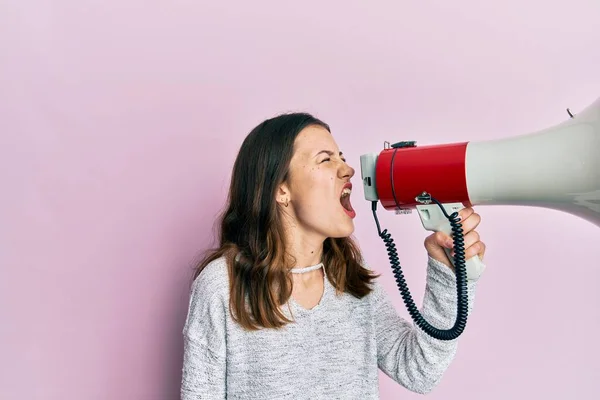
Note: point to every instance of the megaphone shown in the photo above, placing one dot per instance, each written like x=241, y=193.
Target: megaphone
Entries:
x=556, y=168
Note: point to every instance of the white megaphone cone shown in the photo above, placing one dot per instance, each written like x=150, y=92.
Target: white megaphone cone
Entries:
x=556, y=168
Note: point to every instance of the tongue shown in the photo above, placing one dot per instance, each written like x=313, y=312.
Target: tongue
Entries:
x=346, y=203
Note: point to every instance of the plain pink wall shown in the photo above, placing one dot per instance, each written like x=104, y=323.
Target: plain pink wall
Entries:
x=119, y=124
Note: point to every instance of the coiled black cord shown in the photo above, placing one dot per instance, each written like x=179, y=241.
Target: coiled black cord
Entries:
x=460, y=271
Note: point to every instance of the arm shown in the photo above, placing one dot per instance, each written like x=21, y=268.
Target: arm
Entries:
x=203, y=372
x=407, y=354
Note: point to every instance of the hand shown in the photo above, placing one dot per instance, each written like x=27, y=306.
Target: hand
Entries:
x=435, y=243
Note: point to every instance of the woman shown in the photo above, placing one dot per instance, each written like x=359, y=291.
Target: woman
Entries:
x=286, y=308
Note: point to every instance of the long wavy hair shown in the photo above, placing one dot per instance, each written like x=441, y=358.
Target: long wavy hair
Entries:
x=251, y=231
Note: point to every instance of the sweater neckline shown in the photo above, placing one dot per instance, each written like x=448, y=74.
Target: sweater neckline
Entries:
x=327, y=289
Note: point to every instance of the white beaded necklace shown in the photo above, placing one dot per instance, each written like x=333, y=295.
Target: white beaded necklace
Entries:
x=306, y=269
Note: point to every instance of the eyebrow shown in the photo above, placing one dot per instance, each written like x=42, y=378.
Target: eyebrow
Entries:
x=328, y=152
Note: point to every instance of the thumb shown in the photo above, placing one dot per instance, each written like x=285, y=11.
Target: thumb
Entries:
x=435, y=244
x=439, y=240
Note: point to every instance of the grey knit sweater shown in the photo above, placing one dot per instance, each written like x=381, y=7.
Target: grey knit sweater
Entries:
x=332, y=351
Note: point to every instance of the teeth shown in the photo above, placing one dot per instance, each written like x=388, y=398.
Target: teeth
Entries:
x=346, y=192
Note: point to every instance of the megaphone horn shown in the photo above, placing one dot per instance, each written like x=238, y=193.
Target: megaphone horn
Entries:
x=556, y=168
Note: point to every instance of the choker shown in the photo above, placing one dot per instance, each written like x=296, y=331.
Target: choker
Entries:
x=306, y=269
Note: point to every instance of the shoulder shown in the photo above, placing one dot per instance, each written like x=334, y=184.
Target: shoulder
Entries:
x=213, y=281
x=215, y=271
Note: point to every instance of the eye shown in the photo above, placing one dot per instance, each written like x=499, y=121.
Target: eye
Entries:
x=327, y=159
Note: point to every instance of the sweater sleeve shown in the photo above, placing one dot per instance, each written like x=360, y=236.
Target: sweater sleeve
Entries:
x=406, y=353
x=203, y=372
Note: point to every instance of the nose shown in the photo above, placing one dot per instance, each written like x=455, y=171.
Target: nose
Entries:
x=346, y=171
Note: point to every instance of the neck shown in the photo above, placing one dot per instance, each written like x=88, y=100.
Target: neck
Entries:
x=305, y=250
x=305, y=255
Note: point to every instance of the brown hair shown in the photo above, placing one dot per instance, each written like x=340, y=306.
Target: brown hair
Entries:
x=251, y=232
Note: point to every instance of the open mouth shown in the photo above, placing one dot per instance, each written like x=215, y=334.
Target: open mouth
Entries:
x=345, y=198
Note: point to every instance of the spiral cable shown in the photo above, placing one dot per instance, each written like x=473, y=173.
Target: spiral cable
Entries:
x=460, y=272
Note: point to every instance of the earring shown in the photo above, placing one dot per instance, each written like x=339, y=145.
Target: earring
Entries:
x=286, y=202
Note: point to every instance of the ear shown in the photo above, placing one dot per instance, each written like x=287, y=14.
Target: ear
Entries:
x=283, y=195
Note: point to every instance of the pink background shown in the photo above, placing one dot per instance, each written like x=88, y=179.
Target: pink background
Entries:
x=120, y=123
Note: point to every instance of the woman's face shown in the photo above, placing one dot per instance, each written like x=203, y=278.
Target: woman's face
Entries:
x=318, y=186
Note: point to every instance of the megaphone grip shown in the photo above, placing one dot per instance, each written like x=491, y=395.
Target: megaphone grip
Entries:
x=433, y=219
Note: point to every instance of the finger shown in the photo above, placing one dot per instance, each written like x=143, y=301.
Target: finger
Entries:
x=470, y=239
x=482, y=251
x=474, y=250
x=465, y=213
x=471, y=222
